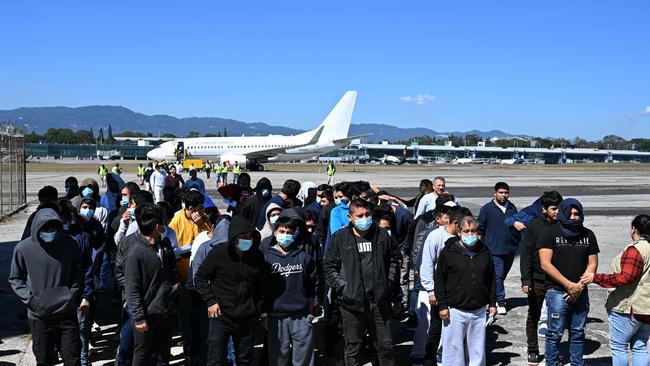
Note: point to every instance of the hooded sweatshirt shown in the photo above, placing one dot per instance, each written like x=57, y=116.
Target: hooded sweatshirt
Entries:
x=251, y=209
x=235, y=283
x=293, y=280
x=109, y=199
x=267, y=229
x=47, y=277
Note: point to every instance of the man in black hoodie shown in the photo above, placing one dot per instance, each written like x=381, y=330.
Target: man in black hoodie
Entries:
x=148, y=287
x=362, y=266
x=231, y=282
x=465, y=283
x=46, y=274
x=253, y=206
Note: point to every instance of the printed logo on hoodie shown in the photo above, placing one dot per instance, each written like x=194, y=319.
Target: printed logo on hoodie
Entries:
x=286, y=270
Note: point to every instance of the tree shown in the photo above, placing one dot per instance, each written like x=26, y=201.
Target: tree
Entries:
x=472, y=139
x=111, y=139
x=33, y=137
x=225, y=132
x=212, y=135
x=219, y=134
x=100, y=137
x=193, y=134
x=168, y=135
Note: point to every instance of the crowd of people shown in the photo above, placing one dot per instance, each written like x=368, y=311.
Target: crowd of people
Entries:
x=349, y=255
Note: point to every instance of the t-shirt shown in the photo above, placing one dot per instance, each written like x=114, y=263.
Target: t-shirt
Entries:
x=570, y=256
x=364, y=247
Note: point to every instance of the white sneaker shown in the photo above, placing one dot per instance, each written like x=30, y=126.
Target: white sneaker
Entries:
x=501, y=310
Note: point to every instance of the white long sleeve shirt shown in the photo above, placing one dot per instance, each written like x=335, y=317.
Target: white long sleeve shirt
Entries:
x=433, y=245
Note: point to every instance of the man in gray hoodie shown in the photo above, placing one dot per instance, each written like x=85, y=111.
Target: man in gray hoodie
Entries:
x=46, y=274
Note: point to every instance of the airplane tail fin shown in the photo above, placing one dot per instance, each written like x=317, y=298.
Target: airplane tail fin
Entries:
x=337, y=123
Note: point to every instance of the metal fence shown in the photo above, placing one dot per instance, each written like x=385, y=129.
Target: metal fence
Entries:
x=13, y=192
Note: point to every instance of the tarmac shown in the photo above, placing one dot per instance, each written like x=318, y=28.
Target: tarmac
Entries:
x=612, y=197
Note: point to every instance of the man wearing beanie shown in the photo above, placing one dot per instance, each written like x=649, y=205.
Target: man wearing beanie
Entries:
x=567, y=250
x=230, y=281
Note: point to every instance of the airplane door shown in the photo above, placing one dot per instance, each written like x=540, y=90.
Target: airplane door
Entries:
x=180, y=151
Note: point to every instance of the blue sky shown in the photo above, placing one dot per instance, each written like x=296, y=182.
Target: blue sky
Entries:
x=546, y=68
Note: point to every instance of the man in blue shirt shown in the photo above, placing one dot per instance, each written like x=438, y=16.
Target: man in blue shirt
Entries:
x=501, y=239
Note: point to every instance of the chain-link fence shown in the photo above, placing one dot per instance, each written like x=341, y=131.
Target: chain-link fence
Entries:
x=12, y=169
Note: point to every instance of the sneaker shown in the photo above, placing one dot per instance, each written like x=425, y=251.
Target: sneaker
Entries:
x=541, y=330
x=501, y=308
x=412, y=323
x=533, y=359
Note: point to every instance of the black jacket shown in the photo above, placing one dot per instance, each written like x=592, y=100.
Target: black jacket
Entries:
x=235, y=283
x=148, y=279
x=465, y=279
x=530, y=267
x=343, y=272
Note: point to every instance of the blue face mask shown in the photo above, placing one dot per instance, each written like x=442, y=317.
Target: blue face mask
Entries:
x=87, y=192
x=87, y=213
x=338, y=201
x=265, y=192
x=363, y=224
x=284, y=240
x=244, y=244
x=67, y=191
x=124, y=201
x=273, y=219
x=132, y=211
x=469, y=240
x=47, y=237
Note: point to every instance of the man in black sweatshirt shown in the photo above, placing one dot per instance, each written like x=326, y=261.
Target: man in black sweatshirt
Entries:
x=231, y=282
x=465, y=283
x=533, y=278
x=46, y=274
x=148, y=287
x=289, y=298
x=362, y=266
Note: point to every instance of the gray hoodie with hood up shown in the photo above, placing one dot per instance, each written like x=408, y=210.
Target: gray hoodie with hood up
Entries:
x=47, y=276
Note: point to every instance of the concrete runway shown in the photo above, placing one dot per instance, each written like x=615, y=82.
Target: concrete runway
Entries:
x=611, y=199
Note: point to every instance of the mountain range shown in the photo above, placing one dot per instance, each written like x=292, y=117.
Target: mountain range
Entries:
x=39, y=119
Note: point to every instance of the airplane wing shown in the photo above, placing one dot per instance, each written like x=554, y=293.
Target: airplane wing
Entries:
x=347, y=140
x=269, y=153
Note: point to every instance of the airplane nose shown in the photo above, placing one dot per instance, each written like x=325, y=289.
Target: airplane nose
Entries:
x=153, y=154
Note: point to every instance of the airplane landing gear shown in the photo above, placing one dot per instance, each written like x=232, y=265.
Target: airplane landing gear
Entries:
x=254, y=167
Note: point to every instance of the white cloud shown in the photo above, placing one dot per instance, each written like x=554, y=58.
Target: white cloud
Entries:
x=647, y=110
x=420, y=99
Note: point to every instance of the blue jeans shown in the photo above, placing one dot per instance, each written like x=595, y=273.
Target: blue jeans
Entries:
x=502, y=265
x=125, y=352
x=626, y=331
x=562, y=314
x=85, y=325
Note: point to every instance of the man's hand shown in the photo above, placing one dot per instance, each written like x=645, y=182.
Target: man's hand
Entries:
x=85, y=305
x=574, y=289
x=444, y=314
x=525, y=289
x=432, y=300
x=520, y=226
x=493, y=310
x=126, y=216
x=197, y=218
x=142, y=327
x=587, y=278
x=214, y=311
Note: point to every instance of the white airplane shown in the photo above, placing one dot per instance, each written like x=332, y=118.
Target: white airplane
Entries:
x=252, y=151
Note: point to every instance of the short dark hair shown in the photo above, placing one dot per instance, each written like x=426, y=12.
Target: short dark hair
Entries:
x=286, y=222
x=71, y=181
x=291, y=188
x=441, y=210
x=141, y=197
x=168, y=210
x=132, y=187
x=359, y=203
x=456, y=214
x=324, y=187
x=329, y=195
x=193, y=199
x=551, y=198
x=642, y=224
x=426, y=183
x=47, y=193
x=501, y=185
x=66, y=210
x=311, y=216
x=89, y=201
x=148, y=216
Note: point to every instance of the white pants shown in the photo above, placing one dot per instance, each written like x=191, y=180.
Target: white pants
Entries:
x=421, y=334
x=158, y=194
x=468, y=326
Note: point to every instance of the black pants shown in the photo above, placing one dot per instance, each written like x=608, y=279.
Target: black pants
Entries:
x=44, y=337
x=243, y=335
x=154, y=345
x=536, y=294
x=332, y=321
x=377, y=322
x=435, y=331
